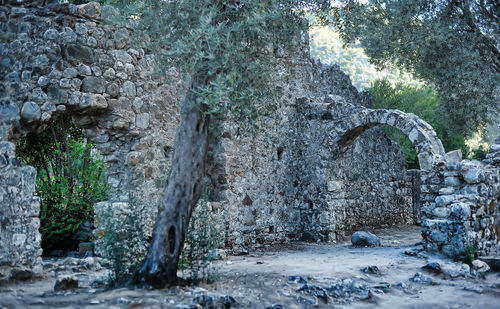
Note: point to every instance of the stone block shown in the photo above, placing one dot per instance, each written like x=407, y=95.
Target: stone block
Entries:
x=30, y=112
x=453, y=156
x=74, y=52
x=473, y=175
x=93, y=84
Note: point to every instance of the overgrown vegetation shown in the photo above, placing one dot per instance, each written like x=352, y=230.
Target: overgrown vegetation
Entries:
x=70, y=179
x=471, y=252
x=203, y=237
x=121, y=238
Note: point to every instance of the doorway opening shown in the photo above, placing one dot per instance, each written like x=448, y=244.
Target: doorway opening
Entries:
x=71, y=178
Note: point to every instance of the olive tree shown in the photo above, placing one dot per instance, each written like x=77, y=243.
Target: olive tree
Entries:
x=223, y=49
x=451, y=44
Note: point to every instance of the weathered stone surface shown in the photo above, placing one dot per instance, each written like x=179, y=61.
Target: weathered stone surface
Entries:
x=90, y=10
x=66, y=283
x=93, y=84
x=362, y=238
x=473, y=176
x=327, y=173
x=30, y=112
x=77, y=53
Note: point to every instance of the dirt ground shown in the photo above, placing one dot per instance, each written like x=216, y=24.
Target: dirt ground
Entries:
x=298, y=275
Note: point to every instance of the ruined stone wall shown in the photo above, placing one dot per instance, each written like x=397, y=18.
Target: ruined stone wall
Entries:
x=283, y=188
x=62, y=59
x=273, y=186
x=460, y=204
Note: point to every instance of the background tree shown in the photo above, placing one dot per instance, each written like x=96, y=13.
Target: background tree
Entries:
x=223, y=48
x=422, y=101
x=452, y=44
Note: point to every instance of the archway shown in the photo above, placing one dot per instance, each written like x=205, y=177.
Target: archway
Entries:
x=327, y=131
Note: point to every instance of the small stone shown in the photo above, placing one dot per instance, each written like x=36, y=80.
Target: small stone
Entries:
x=93, y=84
x=122, y=56
x=109, y=73
x=96, y=70
x=30, y=112
x=453, y=156
x=70, y=73
x=142, y=120
x=452, y=181
x=84, y=69
x=21, y=274
x=66, y=283
x=454, y=270
x=43, y=81
x=90, y=10
x=480, y=266
x=363, y=238
x=8, y=111
x=473, y=176
x=129, y=89
x=433, y=267
x=51, y=34
x=371, y=270
x=38, y=95
x=113, y=90
x=68, y=35
x=421, y=278
x=297, y=280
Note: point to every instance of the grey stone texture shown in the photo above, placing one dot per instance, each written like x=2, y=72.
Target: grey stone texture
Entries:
x=320, y=171
x=461, y=204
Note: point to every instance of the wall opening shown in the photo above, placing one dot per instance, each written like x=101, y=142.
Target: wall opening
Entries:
x=71, y=178
x=370, y=189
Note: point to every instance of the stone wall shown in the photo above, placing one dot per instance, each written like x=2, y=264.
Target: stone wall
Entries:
x=62, y=59
x=285, y=182
x=460, y=204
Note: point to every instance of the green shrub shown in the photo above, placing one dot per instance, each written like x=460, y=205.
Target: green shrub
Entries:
x=204, y=235
x=70, y=180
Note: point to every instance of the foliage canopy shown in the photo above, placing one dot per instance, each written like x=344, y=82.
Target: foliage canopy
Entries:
x=452, y=44
x=220, y=46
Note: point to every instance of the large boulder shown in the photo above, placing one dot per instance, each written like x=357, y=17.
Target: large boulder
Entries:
x=362, y=238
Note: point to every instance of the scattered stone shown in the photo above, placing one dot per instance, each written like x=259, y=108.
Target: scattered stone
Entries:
x=477, y=290
x=433, y=267
x=274, y=306
x=315, y=291
x=21, y=274
x=371, y=270
x=66, y=283
x=297, y=280
x=455, y=270
x=421, y=278
x=362, y=238
x=480, y=266
x=348, y=289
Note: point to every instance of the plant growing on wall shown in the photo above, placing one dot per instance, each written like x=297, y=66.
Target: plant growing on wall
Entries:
x=70, y=180
x=223, y=49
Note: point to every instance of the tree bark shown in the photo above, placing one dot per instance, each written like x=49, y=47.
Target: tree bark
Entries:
x=181, y=194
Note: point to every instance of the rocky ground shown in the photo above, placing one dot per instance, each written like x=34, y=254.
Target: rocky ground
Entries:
x=299, y=275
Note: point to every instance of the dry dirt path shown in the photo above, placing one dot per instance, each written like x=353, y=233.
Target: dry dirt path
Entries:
x=333, y=273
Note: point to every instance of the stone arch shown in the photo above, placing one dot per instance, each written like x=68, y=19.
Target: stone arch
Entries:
x=358, y=119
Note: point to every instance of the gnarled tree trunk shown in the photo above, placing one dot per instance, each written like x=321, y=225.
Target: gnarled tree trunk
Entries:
x=181, y=194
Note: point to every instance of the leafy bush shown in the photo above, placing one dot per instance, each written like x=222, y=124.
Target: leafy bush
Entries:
x=70, y=180
x=203, y=237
